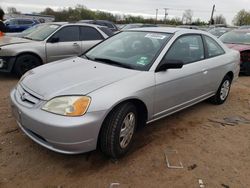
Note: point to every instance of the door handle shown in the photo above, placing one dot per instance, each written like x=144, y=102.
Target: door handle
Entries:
x=204, y=71
x=75, y=44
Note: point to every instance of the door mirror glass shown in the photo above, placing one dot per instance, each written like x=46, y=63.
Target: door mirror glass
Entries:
x=169, y=64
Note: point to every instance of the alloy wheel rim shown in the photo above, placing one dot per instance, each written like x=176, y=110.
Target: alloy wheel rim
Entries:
x=224, y=90
x=127, y=130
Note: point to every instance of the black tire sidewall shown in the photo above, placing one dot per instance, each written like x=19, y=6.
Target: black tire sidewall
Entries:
x=218, y=98
x=119, y=150
x=20, y=61
x=110, y=131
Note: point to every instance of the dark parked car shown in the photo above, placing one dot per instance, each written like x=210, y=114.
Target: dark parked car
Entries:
x=239, y=40
x=105, y=23
x=25, y=32
x=19, y=25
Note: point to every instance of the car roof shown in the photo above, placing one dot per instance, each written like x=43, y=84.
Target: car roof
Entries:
x=167, y=30
x=241, y=30
x=77, y=23
x=104, y=21
x=20, y=19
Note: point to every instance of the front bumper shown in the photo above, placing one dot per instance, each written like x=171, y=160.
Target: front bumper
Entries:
x=7, y=63
x=67, y=135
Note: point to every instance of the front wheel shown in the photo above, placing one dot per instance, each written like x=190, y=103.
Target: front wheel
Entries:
x=223, y=91
x=118, y=130
x=25, y=63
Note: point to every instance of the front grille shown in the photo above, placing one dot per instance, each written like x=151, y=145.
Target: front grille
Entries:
x=26, y=98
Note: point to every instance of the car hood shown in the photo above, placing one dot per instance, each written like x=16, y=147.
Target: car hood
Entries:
x=239, y=47
x=7, y=40
x=20, y=34
x=73, y=76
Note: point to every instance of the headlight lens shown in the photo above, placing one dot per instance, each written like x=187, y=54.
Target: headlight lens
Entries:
x=68, y=105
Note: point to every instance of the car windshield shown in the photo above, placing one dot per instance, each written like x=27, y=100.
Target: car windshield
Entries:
x=236, y=37
x=129, y=49
x=42, y=32
x=31, y=29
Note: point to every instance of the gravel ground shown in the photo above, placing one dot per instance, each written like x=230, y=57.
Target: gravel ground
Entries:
x=210, y=149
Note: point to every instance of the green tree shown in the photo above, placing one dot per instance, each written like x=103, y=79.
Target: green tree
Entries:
x=12, y=10
x=187, y=16
x=220, y=19
x=242, y=18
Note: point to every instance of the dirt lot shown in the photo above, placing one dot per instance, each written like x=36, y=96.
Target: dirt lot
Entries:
x=216, y=153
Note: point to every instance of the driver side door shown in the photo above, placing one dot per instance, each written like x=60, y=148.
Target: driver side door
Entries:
x=178, y=88
x=64, y=43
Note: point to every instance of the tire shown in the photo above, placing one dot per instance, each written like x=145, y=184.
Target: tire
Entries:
x=247, y=73
x=112, y=142
x=222, y=93
x=25, y=63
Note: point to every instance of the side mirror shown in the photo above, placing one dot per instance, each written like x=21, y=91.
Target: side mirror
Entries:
x=54, y=40
x=169, y=64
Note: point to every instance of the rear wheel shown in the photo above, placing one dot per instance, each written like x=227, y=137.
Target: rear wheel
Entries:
x=223, y=91
x=247, y=73
x=24, y=63
x=118, y=130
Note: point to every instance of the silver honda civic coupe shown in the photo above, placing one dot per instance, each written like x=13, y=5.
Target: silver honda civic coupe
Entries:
x=130, y=79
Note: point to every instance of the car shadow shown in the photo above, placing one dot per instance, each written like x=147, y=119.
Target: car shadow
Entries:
x=8, y=76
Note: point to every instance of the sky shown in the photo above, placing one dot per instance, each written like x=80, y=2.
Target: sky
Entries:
x=146, y=8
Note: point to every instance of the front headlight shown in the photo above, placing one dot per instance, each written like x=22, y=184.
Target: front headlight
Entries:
x=68, y=105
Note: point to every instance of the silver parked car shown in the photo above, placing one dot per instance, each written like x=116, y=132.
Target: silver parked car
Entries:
x=135, y=77
x=48, y=43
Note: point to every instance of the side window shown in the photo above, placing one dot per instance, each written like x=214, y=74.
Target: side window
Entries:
x=67, y=34
x=13, y=22
x=109, y=25
x=107, y=31
x=89, y=33
x=213, y=48
x=187, y=49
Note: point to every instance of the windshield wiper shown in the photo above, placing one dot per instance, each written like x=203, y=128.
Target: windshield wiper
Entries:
x=86, y=57
x=26, y=38
x=31, y=38
x=112, y=62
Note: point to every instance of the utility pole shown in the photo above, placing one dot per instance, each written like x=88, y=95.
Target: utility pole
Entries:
x=212, y=15
x=156, y=14
x=165, y=18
